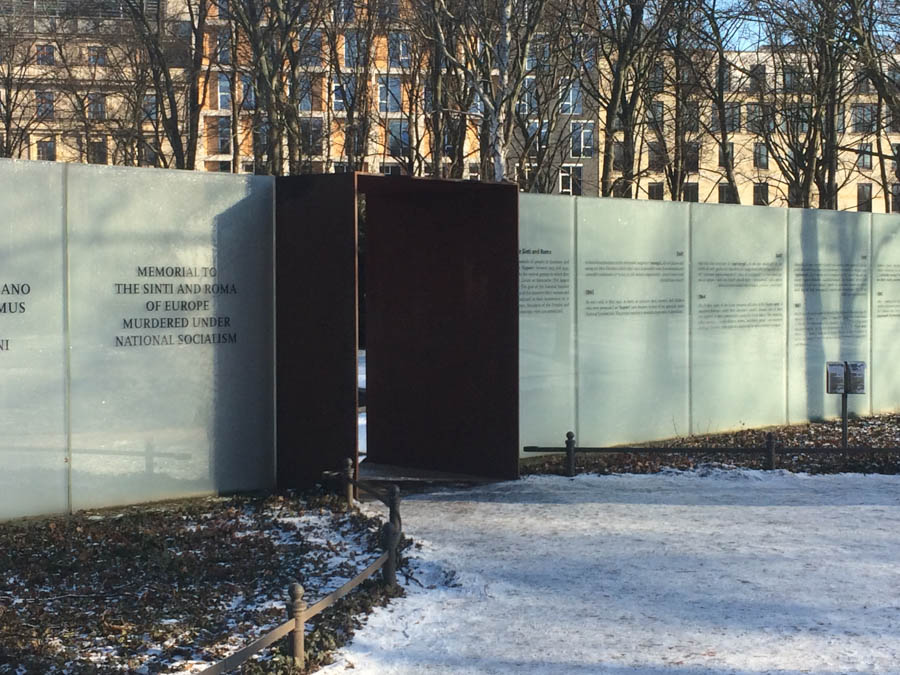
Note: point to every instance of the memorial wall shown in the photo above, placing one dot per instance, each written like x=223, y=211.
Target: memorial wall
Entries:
x=136, y=335
x=664, y=319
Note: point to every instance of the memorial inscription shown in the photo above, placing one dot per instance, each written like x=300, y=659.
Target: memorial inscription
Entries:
x=12, y=301
x=188, y=299
x=543, y=282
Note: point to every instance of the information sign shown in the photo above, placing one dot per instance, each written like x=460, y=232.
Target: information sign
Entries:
x=845, y=377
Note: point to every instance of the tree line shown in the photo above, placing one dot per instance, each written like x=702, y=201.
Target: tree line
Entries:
x=498, y=89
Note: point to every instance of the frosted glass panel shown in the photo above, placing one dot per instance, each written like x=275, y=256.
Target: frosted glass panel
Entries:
x=32, y=347
x=828, y=307
x=171, y=331
x=632, y=321
x=546, y=319
x=738, y=351
x=882, y=374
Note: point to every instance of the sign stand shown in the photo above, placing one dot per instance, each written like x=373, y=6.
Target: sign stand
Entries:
x=847, y=377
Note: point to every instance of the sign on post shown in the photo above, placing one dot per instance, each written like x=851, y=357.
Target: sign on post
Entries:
x=845, y=377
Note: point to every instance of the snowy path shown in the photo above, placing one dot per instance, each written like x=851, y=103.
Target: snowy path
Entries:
x=702, y=572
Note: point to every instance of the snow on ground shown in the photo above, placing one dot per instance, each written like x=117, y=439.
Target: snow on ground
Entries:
x=708, y=571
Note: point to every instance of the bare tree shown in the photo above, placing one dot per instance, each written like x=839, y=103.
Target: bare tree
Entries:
x=21, y=85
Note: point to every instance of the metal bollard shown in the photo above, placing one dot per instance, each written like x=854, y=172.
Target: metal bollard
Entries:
x=394, y=506
x=347, y=477
x=296, y=607
x=770, y=451
x=390, y=541
x=570, y=454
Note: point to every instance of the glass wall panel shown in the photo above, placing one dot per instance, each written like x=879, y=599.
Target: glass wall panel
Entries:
x=738, y=350
x=828, y=306
x=883, y=381
x=632, y=320
x=546, y=319
x=171, y=291
x=33, y=464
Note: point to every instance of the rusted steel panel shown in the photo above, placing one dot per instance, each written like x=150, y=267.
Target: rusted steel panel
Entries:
x=316, y=313
x=442, y=325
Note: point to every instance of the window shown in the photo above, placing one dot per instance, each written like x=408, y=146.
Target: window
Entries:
x=223, y=47
x=793, y=79
x=656, y=156
x=223, y=167
x=796, y=118
x=391, y=170
x=723, y=76
x=570, y=180
x=657, y=78
x=474, y=171
x=149, y=107
x=222, y=9
x=398, y=50
x=388, y=10
x=248, y=91
x=760, y=156
x=223, y=136
x=732, y=118
x=261, y=137
x=621, y=189
x=343, y=96
x=582, y=139
x=96, y=106
x=149, y=156
x=760, y=194
x=618, y=156
x=757, y=82
x=311, y=50
x=861, y=83
x=692, y=157
x=389, y=94
x=527, y=103
x=46, y=150
x=538, y=54
x=690, y=192
x=538, y=136
x=570, y=97
x=97, y=152
x=895, y=148
x=895, y=198
x=224, y=92
x=46, y=55
x=311, y=136
x=691, y=115
x=655, y=191
x=355, y=49
x=893, y=121
x=863, y=117
x=96, y=55
x=864, y=156
x=863, y=196
x=304, y=94
x=727, y=194
x=343, y=10
x=398, y=138
x=656, y=114
x=44, y=101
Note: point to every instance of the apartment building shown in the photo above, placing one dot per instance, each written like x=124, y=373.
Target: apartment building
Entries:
x=81, y=83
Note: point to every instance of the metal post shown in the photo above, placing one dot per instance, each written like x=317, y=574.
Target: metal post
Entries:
x=770, y=451
x=844, y=405
x=348, y=481
x=570, y=454
x=390, y=540
x=296, y=607
x=394, y=506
